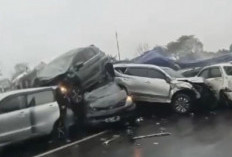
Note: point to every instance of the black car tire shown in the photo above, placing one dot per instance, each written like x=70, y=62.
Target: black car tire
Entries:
x=182, y=103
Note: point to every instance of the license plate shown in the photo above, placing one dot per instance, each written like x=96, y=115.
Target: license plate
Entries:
x=112, y=119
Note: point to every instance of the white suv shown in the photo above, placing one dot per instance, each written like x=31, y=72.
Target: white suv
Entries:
x=219, y=77
x=155, y=84
x=27, y=113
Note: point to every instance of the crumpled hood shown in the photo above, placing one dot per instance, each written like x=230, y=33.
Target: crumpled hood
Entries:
x=106, y=96
x=192, y=79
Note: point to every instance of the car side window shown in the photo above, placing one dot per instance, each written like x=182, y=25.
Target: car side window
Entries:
x=88, y=55
x=12, y=103
x=141, y=72
x=152, y=73
x=120, y=70
x=40, y=98
x=214, y=72
x=204, y=73
x=79, y=58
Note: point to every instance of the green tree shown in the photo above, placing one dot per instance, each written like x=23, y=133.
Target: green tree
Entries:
x=185, y=45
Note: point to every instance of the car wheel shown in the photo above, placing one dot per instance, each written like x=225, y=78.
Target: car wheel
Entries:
x=182, y=103
x=77, y=95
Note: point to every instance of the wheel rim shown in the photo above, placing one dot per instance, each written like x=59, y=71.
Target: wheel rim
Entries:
x=76, y=95
x=182, y=104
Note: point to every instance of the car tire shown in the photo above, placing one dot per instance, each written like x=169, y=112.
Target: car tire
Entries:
x=182, y=103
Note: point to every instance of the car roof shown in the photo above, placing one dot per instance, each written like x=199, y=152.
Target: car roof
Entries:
x=136, y=65
x=28, y=90
x=218, y=65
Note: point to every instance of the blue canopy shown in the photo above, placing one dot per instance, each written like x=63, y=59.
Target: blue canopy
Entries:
x=205, y=62
x=157, y=56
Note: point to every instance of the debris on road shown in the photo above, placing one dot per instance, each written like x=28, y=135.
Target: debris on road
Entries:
x=156, y=143
x=103, y=139
x=191, y=114
x=106, y=143
x=139, y=120
x=152, y=135
x=157, y=123
x=162, y=129
x=213, y=113
x=138, y=144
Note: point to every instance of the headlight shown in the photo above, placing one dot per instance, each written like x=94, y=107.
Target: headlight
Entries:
x=129, y=100
x=63, y=89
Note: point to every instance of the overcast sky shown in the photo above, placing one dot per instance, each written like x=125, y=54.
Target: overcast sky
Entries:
x=35, y=30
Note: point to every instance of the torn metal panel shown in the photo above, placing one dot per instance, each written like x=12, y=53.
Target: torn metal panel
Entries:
x=83, y=66
x=107, y=142
x=108, y=104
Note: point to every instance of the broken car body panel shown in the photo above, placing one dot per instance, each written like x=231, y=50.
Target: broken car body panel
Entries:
x=83, y=65
x=29, y=113
x=219, y=77
x=143, y=88
x=107, y=104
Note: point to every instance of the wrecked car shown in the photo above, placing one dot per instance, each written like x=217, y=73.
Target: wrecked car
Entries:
x=219, y=77
x=28, y=113
x=190, y=72
x=160, y=85
x=78, y=70
x=108, y=104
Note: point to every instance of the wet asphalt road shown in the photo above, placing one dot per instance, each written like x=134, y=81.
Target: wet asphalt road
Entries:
x=205, y=134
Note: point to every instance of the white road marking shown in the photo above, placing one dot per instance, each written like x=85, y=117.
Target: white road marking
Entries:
x=71, y=144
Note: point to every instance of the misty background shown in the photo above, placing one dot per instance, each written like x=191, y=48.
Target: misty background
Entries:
x=34, y=31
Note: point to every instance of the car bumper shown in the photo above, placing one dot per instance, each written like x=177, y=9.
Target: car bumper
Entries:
x=111, y=116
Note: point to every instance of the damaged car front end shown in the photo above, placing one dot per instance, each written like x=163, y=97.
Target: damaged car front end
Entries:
x=160, y=85
x=206, y=95
x=108, y=104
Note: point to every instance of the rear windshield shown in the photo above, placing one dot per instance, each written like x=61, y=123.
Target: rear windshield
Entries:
x=228, y=70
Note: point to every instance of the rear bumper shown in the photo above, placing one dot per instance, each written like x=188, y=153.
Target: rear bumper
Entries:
x=113, y=116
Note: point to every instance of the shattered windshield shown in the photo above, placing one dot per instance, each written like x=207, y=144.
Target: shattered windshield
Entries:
x=228, y=70
x=172, y=73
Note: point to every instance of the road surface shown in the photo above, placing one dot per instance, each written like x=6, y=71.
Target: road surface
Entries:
x=206, y=134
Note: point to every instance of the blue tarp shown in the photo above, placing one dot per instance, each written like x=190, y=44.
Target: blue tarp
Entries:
x=157, y=56
x=205, y=62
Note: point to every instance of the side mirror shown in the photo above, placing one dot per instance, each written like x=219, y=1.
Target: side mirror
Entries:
x=78, y=66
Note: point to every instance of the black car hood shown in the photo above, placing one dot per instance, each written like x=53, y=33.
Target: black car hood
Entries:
x=106, y=96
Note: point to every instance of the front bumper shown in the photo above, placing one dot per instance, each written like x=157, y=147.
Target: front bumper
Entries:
x=110, y=116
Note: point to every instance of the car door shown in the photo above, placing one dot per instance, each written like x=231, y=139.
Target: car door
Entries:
x=158, y=87
x=45, y=111
x=14, y=119
x=137, y=82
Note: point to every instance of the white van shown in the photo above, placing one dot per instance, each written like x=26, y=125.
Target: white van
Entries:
x=27, y=113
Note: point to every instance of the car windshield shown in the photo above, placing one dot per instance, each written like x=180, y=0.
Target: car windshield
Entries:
x=228, y=70
x=172, y=73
